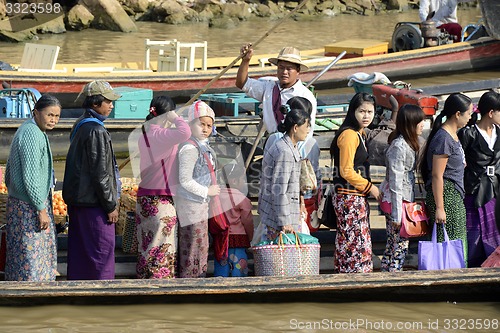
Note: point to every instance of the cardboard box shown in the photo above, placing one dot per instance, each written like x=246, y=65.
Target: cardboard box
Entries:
x=357, y=48
x=134, y=103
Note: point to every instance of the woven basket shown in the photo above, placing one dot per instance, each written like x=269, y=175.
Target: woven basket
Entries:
x=127, y=204
x=286, y=260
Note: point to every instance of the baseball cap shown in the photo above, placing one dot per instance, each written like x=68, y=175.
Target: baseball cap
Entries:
x=100, y=87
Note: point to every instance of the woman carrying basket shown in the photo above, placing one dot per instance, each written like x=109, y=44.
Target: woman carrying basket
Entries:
x=279, y=200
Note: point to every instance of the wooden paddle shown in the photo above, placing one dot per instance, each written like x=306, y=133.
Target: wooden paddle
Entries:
x=262, y=130
x=222, y=72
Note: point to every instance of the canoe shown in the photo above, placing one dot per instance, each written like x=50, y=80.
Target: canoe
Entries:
x=461, y=285
x=464, y=56
x=243, y=128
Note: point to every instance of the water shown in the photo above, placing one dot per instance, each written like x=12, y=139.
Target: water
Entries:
x=106, y=46
x=289, y=317
x=99, y=46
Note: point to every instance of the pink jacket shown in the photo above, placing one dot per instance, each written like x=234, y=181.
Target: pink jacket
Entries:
x=159, y=167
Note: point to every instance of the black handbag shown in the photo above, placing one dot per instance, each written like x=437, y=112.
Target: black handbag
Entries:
x=326, y=212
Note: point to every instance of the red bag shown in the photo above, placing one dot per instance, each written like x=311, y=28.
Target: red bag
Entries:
x=414, y=220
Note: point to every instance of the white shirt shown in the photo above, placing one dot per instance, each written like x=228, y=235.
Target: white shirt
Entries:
x=263, y=91
x=490, y=140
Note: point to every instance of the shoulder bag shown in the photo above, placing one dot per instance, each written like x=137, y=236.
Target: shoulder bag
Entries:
x=414, y=222
x=308, y=181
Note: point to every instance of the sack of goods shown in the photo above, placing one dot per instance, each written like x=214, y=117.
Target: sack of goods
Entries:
x=288, y=255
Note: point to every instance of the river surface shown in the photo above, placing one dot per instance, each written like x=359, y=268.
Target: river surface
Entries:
x=242, y=318
x=93, y=46
x=98, y=46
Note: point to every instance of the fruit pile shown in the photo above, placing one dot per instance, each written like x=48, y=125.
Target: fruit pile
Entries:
x=59, y=207
x=130, y=189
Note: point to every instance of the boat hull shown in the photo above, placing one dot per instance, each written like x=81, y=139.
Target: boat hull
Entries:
x=464, y=56
x=460, y=285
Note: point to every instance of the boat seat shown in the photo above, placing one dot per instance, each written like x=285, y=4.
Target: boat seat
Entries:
x=170, y=57
x=39, y=58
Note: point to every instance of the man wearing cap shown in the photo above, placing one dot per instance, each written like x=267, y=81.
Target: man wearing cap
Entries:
x=273, y=94
x=91, y=188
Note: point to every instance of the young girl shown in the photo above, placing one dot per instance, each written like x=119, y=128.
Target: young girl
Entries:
x=156, y=216
x=399, y=183
x=238, y=210
x=442, y=168
x=481, y=144
x=351, y=177
x=196, y=160
x=279, y=203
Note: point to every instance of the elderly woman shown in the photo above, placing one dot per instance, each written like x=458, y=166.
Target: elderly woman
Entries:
x=31, y=243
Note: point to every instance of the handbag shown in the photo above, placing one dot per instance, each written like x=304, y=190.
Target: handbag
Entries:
x=326, y=212
x=446, y=255
x=414, y=222
x=307, y=180
x=287, y=256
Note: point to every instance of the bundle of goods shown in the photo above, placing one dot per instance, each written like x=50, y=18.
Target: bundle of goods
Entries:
x=128, y=199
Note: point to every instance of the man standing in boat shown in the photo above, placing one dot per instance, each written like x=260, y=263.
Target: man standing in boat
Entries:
x=91, y=188
x=273, y=94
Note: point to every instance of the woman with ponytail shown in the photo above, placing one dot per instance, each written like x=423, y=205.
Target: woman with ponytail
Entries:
x=442, y=168
x=279, y=203
x=156, y=218
x=481, y=144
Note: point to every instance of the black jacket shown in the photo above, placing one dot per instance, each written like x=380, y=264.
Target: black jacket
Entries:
x=478, y=157
x=89, y=177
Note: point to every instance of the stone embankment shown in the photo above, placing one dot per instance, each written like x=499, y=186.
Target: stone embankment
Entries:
x=120, y=15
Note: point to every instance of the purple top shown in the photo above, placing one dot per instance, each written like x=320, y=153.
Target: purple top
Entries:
x=444, y=144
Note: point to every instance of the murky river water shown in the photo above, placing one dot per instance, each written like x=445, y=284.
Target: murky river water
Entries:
x=98, y=46
x=290, y=317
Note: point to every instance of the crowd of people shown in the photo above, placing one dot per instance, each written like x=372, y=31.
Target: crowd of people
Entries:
x=459, y=163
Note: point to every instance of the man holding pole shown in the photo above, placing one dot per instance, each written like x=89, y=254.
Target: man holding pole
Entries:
x=274, y=94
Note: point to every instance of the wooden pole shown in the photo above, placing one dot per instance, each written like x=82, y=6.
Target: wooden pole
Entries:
x=261, y=123
x=222, y=72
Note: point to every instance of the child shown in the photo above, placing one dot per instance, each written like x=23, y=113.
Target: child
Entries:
x=196, y=159
x=238, y=210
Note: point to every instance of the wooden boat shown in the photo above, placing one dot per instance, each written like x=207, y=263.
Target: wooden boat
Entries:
x=461, y=285
x=472, y=55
